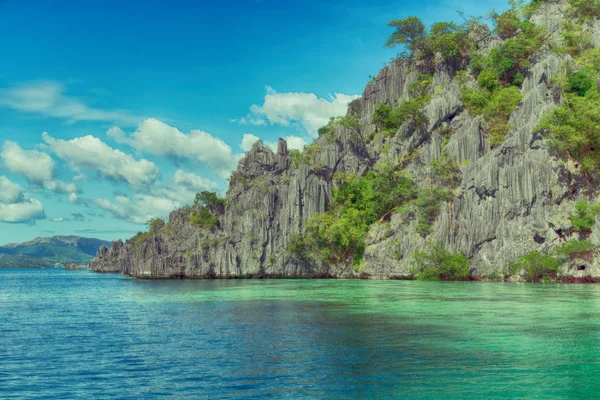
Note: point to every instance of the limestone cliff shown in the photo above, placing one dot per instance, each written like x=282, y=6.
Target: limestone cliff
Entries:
x=512, y=198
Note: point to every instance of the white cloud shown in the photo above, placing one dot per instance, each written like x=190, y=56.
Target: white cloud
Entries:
x=73, y=198
x=193, y=182
x=156, y=137
x=10, y=192
x=138, y=209
x=48, y=98
x=183, y=187
x=248, y=140
x=38, y=167
x=89, y=152
x=249, y=120
x=16, y=206
x=306, y=109
x=32, y=164
x=58, y=219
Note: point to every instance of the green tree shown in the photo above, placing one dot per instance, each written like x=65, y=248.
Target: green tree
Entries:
x=409, y=32
x=438, y=263
x=574, y=131
x=584, y=218
x=536, y=265
x=576, y=248
x=581, y=82
x=208, y=199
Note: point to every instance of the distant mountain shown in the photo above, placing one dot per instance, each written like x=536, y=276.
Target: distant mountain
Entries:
x=46, y=252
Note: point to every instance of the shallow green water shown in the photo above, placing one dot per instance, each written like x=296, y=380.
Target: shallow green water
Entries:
x=79, y=334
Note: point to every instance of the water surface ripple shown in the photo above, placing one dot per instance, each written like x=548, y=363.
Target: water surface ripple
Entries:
x=77, y=334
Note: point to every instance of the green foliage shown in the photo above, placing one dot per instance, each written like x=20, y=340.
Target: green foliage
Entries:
x=420, y=87
x=204, y=219
x=584, y=9
x=388, y=120
x=488, y=79
x=581, y=82
x=445, y=170
x=507, y=24
x=478, y=63
x=209, y=199
x=536, y=265
x=349, y=121
x=446, y=38
x=495, y=107
x=409, y=32
x=296, y=156
x=298, y=246
x=154, y=226
x=513, y=55
x=575, y=38
x=450, y=40
x=306, y=157
x=573, y=129
x=358, y=202
x=576, y=248
x=531, y=7
x=584, y=218
x=326, y=130
x=437, y=263
x=590, y=59
x=427, y=206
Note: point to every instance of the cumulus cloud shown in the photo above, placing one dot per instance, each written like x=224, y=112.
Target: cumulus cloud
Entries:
x=36, y=166
x=156, y=137
x=306, y=109
x=73, y=198
x=139, y=208
x=48, y=98
x=248, y=140
x=89, y=152
x=159, y=202
x=10, y=192
x=193, y=182
x=16, y=206
x=183, y=187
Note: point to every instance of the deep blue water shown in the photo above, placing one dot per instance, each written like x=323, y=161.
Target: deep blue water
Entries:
x=78, y=334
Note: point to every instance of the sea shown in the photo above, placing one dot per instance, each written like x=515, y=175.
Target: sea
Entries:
x=83, y=335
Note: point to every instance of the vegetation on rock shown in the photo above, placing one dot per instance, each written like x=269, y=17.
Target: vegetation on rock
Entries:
x=536, y=266
x=438, y=263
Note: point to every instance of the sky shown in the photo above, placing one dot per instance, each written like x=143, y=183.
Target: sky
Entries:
x=115, y=112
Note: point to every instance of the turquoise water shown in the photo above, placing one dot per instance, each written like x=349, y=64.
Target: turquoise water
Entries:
x=77, y=334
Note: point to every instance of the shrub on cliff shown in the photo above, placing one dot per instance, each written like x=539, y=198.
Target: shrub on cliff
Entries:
x=584, y=218
x=438, y=263
x=576, y=248
x=536, y=266
x=572, y=130
x=209, y=199
x=204, y=218
x=358, y=202
x=154, y=226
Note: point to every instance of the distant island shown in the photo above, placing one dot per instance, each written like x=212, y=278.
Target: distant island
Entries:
x=56, y=251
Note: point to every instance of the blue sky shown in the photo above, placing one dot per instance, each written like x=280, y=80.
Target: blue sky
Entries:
x=113, y=112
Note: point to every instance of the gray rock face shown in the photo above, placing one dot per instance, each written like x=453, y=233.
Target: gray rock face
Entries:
x=512, y=199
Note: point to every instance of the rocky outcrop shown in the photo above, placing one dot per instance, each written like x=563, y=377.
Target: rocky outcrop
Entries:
x=512, y=199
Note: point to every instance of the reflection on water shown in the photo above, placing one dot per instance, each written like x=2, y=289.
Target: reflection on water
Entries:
x=79, y=334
